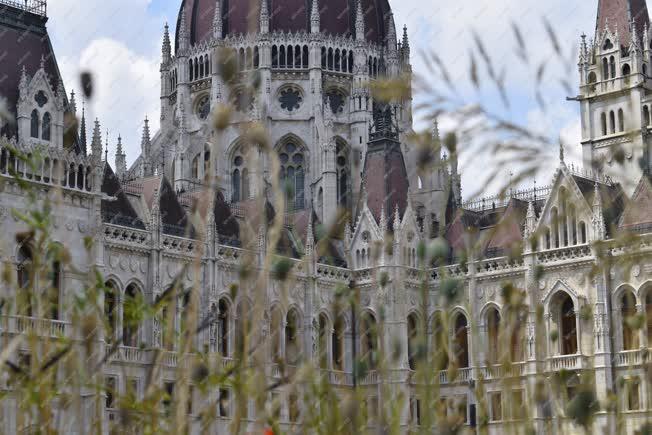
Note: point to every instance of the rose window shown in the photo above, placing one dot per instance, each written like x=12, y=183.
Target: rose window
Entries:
x=290, y=99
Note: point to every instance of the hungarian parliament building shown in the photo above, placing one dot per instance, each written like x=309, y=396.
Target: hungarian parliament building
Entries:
x=579, y=250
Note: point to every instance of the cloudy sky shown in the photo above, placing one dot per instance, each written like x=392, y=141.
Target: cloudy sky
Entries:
x=120, y=41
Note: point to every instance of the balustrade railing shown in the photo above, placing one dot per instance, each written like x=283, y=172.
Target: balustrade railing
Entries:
x=42, y=327
x=566, y=362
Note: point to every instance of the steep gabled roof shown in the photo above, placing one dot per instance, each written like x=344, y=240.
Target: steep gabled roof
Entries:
x=638, y=210
x=618, y=15
x=119, y=211
x=26, y=40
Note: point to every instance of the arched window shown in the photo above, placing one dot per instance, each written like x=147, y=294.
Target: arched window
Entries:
x=282, y=57
x=338, y=344
x=413, y=330
x=572, y=223
x=47, y=127
x=627, y=69
x=80, y=176
x=223, y=328
x=292, y=174
x=207, y=160
x=250, y=58
x=612, y=67
x=646, y=116
x=648, y=315
x=605, y=68
x=242, y=61
x=110, y=312
x=343, y=171
x=297, y=56
x=582, y=232
x=25, y=275
x=235, y=180
x=243, y=326
x=461, y=341
x=131, y=316
x=34, y=124
x=275, y=326
x=493, y=331
x=274, y=56
x=612, y=122
x=245, y=184
x=292, y=338
x=337, y=60
x=555, y=227
x=256, y=57
x=191, y=69
x=305, y=59
x=592, y=78
x=621, y=121
x=369, y=340
x=194, y=172
x=628, y=311
x=201, y=66
x=207, y=68
x=607, y=45
x=323, y=57
x=350, y=61
x=564, y=320
x=330, y=59
x=603, y=119
x=54, y=289
x=322, y=341
x=439, y=341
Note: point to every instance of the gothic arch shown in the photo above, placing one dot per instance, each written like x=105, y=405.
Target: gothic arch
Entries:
x=488, y=306
x=556, y=288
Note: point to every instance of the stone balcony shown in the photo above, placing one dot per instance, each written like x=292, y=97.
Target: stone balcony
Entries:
x=42, y=327
x=567, y=362
x=630, y=358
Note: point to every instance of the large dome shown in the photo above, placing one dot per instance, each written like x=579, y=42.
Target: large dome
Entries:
x=242, y=16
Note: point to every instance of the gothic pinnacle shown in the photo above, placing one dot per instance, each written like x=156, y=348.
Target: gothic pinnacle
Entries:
x=264, y=17
x=166, y=50
x=359, y=22
x=315, y=23
x=184, y=38
x=217, y=20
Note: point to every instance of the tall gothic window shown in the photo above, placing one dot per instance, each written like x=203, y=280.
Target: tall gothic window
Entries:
x=24, y=270
x=34, y=124
x=110, y=312
x=293, y=175
x=628, y=311
x=223, y=328
x=130, y=321
x=369, y=340
x=343, y=172
x=240, y=179
x=461, y=341
x=493, y=327
x=47, y=127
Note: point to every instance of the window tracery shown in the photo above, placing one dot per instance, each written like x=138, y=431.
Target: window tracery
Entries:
x=293, y=174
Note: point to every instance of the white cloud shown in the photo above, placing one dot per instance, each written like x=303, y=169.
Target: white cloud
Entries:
x=126, y=89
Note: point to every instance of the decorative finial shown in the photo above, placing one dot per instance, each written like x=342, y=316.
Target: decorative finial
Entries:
x=315, y=20
x=561, y=151
x=184, y=38
x=166, y=50
x=42, y=64
x=264, y=17
x=359, y=22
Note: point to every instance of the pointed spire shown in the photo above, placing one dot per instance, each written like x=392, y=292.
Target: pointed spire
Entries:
x=530, y=220
x=310, y=237
x=145, y=141
x=383, y=221
x=155, y=216
x=184, y=37
x=166, y=50
x=42, y=63
x=264, y=17
x=406, y=45
x=359, y=22
x=391, y=34
x=561, y=151
x=315, y=21
x=82, y=133
x=347, y=236
x=106, y=148
x=217, y=21
x=120, y=160
x=598, y=216
x=73, y=103
x=584, y=52
x=96, y=144
x=396, y=223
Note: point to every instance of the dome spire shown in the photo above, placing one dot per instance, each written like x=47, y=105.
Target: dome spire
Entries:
x=217, y=20
x=166, y=50
x=184, y=37
x=359, y=22
x=315, y=23
x=264, y=17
